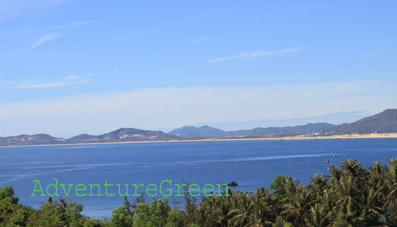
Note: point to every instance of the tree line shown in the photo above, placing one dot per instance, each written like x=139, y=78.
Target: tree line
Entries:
x=349, y=195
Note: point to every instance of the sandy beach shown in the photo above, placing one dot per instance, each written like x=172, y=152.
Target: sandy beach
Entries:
x=297, y=137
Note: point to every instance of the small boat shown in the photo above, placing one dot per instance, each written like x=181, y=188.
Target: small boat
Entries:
x=327, y=161
x=335, y=156
x=232, y=183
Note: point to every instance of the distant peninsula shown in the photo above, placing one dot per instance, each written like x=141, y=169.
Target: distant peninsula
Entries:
x=383, y=124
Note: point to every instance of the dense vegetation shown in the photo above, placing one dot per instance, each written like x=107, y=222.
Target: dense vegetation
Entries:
x=349, y=196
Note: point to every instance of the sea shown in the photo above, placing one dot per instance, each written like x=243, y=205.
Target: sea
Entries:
x=250, y=163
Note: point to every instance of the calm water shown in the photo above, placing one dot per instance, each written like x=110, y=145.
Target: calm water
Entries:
x=250, y=163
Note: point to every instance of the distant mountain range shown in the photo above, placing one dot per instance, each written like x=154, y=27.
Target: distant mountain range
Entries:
x=385, y=122
x=120, y=135
x=123, y=135
x=191, y=132
x=198, y=132
x=332, y=118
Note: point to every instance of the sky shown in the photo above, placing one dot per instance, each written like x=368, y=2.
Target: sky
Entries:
x=69, y=67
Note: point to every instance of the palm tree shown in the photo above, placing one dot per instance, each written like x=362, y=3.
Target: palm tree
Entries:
x=318, y=216
x=264, y=208
x=354, y=173
x=392, y=184
x=318, y=186
x=351, y=187
x=296, y=203
x=376, y=188
x=242, y=206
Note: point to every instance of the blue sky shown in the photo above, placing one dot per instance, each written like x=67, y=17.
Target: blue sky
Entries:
x=70, y=67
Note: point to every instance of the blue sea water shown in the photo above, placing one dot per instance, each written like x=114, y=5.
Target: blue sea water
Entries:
x=250, y=163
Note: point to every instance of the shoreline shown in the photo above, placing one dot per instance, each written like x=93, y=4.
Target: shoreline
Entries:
x=297, y=137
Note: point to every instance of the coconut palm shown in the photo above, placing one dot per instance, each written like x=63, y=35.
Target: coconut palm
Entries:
x=242, y=206
x=297, y=204
x=264, y=208
x=318, y=186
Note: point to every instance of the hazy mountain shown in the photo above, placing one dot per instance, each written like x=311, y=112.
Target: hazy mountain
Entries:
x=120, y=135
x=84, y=138
x=131, y=134
x=197, y=132
x=206, y=131
x=384, y=122
x=123, y=135
x=333, y=118
x=280, y=131
x=29, y=140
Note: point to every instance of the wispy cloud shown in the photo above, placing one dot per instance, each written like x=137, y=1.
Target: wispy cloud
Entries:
x=165, y=71
x=69, y=80
x=42, y=35
x=72, y=77
x=202, y=40
x=12, y=8
x=47, y=85
x=259, y=53
x=387, y=40
x=45, y=38
x=122, y=37
x=51, y=36
x=69, y=26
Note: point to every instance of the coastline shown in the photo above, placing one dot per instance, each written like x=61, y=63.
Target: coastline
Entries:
x=297, y=137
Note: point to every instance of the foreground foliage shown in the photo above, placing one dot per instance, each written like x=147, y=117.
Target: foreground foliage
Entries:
x=349, y=196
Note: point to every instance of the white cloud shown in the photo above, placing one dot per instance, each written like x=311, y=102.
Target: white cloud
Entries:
x=259, y=53
x=122, y=37
x=12, y=8
x=44, y=35
x=69, y=80
x=51, y=36
x=387, y=41
x=47, y=85
x=46, y=38
x=69, y=26
x=166, y=71
x=202, y=40
x=72, y=77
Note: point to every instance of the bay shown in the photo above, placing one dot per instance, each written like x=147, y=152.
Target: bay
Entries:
x=251, y=163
